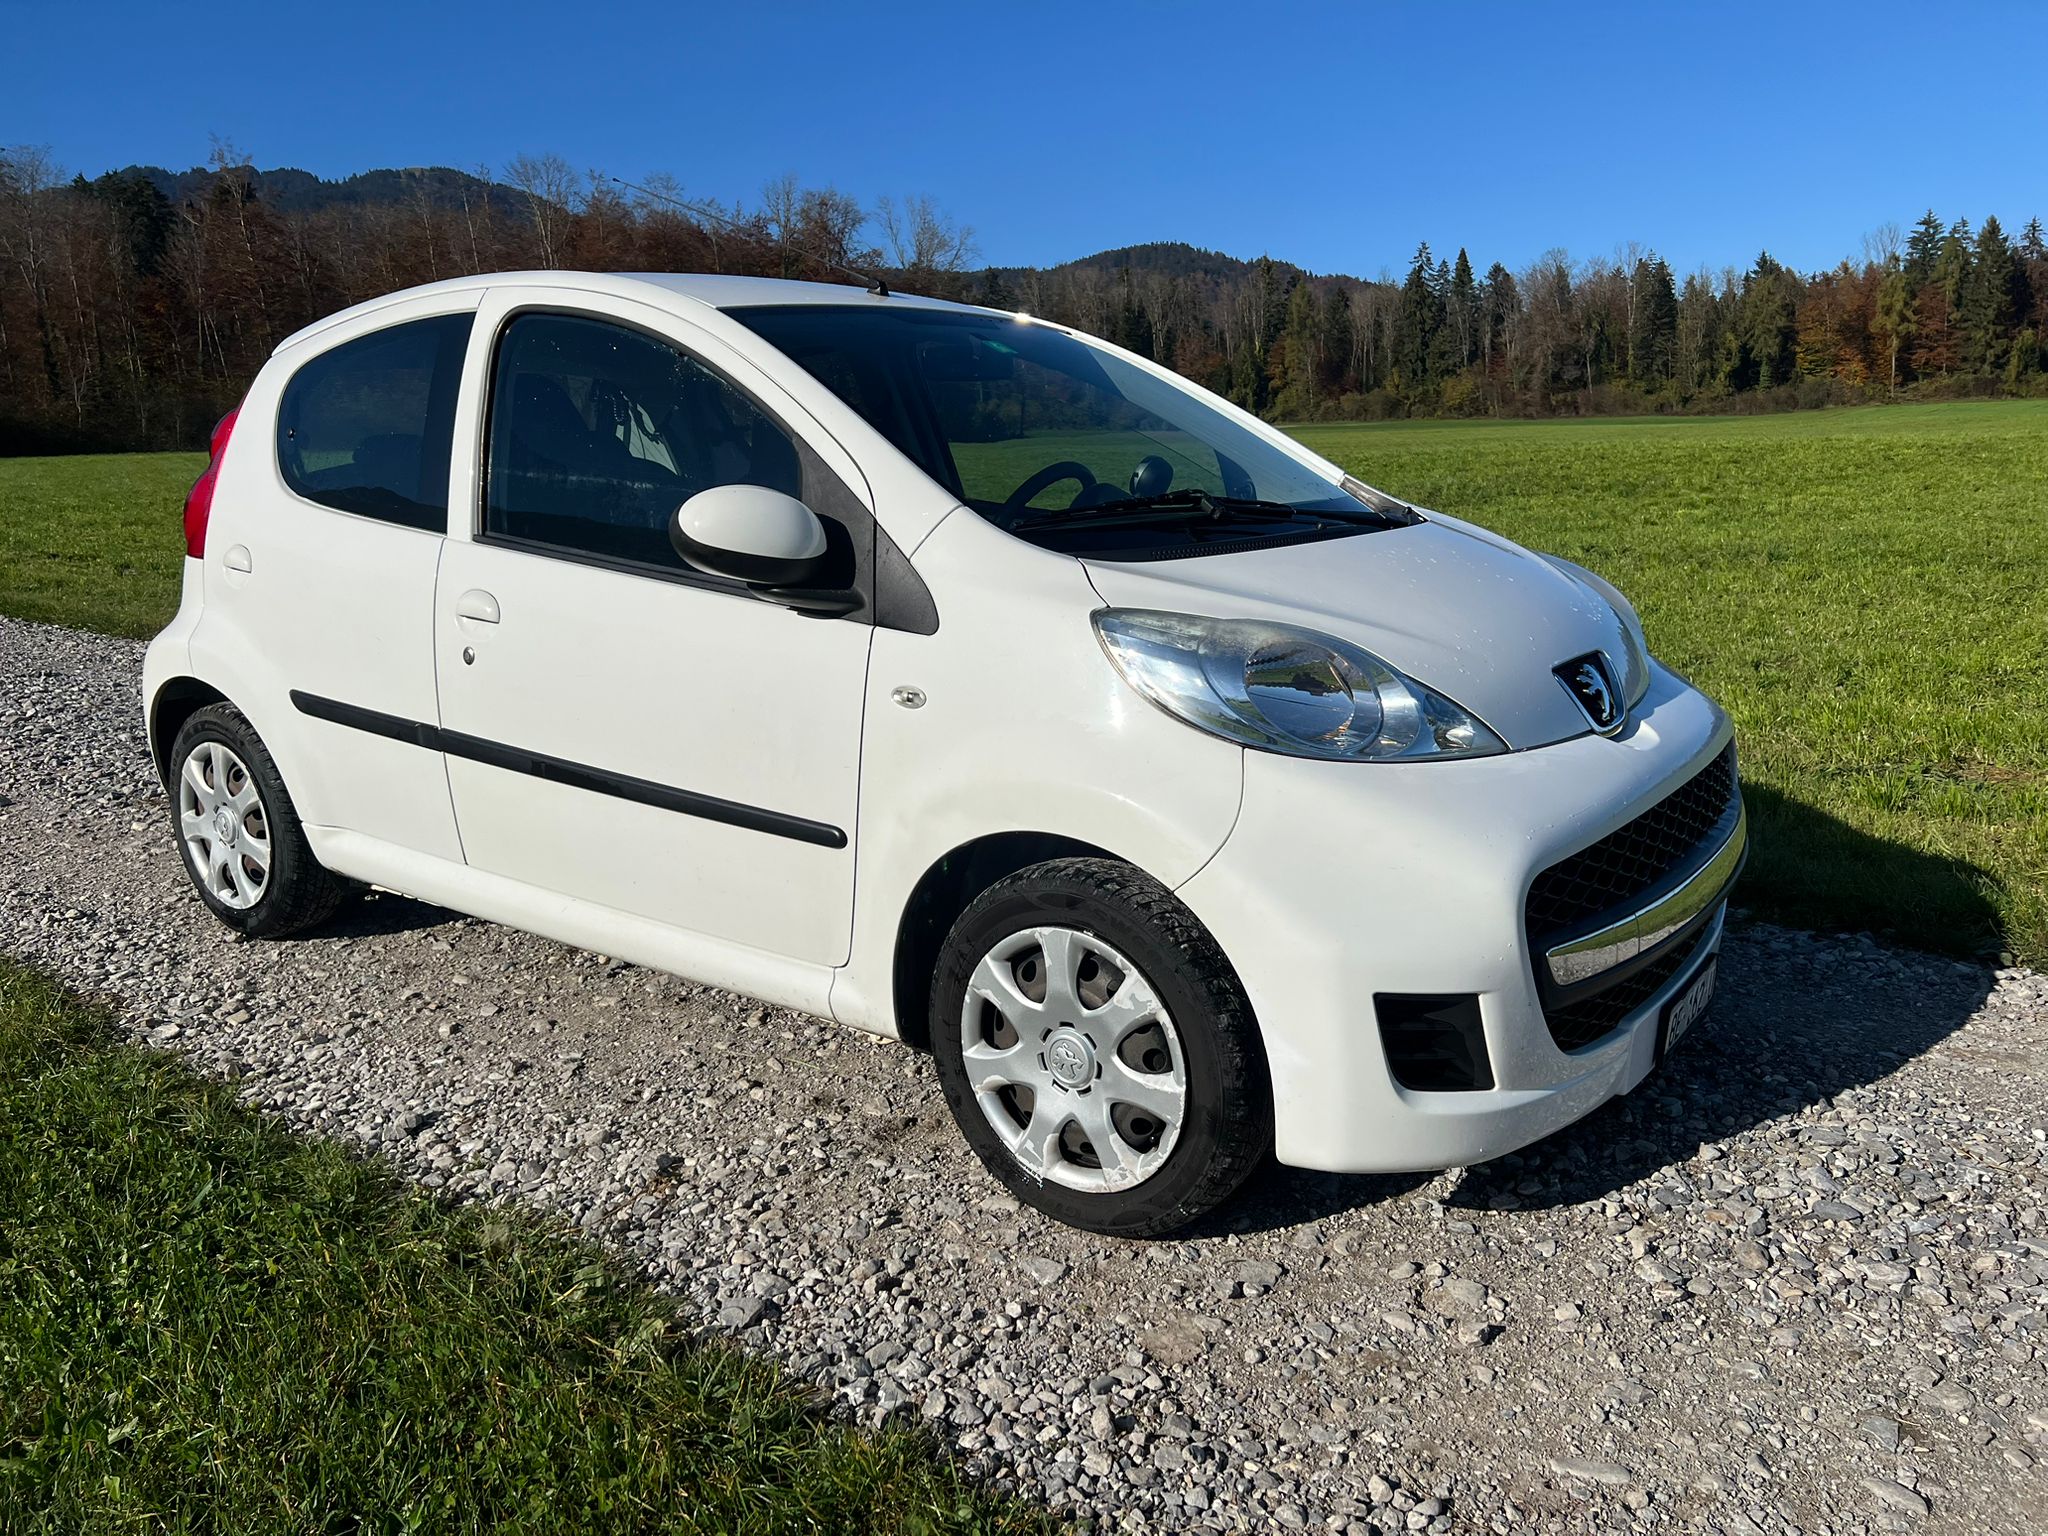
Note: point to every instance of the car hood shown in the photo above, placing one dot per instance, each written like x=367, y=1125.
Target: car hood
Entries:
x=1453, y=606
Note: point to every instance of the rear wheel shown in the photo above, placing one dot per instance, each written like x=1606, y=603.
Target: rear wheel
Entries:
x=1097, y=1051
x=238, y=831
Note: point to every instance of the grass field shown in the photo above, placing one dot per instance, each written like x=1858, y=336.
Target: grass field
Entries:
x=207, y=1324
x=1862, y=589
x=96, y=541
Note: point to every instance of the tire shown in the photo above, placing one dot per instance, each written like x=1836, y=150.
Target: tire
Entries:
x=221, y=771
x=1107, y=1060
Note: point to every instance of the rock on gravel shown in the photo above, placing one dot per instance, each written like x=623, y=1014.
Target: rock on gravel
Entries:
x=1042, y=1271
x=1896, y=1495
x=1699, y=1309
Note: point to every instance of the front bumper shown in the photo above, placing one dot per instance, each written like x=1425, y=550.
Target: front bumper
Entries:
x=1341, y=881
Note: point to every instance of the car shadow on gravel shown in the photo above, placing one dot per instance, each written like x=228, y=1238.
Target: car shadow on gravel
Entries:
x=375, y=914
x=1786, y=1032
x=1279, y=1198
x=1798, y=1019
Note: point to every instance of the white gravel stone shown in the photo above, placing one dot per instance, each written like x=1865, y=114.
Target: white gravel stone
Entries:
x=1043, y=1271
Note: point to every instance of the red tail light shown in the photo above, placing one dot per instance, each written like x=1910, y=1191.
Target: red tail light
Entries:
x=199, y=500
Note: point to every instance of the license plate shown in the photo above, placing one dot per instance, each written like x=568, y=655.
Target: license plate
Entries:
x=1684, y=1010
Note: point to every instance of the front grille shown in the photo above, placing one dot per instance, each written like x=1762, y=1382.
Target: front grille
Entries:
x=1614, y=876
x=1616, y=871
x=1577, y=1025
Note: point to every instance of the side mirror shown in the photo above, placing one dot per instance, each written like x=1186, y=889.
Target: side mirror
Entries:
x=749, y=533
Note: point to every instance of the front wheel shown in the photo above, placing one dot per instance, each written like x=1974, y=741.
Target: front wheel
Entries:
x=1097, y=1051
x=239, y=832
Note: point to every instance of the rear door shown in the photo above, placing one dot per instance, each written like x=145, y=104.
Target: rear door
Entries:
x=618, y=727
x=321, y=556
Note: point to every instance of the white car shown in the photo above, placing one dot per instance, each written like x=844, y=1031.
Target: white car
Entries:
x=963, y=679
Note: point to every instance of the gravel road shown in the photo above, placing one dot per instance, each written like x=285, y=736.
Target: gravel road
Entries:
x=1795, y=1283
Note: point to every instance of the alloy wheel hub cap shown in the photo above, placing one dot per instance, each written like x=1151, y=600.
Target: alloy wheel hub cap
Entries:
x=1073, y=1060
x=223, y=825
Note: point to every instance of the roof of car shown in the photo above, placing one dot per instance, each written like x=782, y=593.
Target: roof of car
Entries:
x=723, y=292
x=716, y=290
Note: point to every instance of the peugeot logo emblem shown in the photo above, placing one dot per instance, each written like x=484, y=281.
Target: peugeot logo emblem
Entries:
x=1071, y=1061
x=1587, y=681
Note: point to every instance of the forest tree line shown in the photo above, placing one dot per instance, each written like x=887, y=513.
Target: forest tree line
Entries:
x=132, y=316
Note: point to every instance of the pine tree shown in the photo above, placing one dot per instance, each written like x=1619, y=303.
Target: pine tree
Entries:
x=1417, y=320
x=1276, y=284
x=1922, y=246
x=1333, y=341
x=1992, y=301
x=1443, y=347
x=1131, y=327
x=142, y=214
x=995, y=293
x=1653, y=335
x=1937, y=347
x=1952, y=264
x=1464, y=311
x=2030, y=345
x=1769, y=333
x=1503, y=303
x=1298, y=351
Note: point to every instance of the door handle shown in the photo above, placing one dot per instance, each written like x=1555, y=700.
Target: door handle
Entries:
x=477, y=604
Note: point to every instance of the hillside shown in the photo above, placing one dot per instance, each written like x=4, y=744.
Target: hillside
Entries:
x=290, y=190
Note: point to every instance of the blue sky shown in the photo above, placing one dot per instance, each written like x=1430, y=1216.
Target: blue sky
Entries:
x=1334, y=135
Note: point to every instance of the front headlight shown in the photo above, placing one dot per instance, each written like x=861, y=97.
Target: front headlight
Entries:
x=1284, y=689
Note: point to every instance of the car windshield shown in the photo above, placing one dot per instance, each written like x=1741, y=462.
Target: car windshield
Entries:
x=1054, y=439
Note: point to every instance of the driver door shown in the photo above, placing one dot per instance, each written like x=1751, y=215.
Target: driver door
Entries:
x=620, y=728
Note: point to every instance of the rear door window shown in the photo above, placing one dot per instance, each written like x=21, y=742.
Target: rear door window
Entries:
x=367, y=426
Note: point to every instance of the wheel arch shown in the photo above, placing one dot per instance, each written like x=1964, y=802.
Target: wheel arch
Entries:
x=175, y=702
x=943, y=892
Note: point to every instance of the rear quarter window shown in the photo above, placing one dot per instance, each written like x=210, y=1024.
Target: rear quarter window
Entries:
x=367, y=426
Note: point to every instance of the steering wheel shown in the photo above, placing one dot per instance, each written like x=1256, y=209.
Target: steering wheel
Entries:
x=1051, y=475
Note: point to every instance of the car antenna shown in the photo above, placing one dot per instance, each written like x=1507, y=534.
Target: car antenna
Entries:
x=872, y=281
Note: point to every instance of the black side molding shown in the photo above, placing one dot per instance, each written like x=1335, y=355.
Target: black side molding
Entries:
x=559, y=770
x=377, y=723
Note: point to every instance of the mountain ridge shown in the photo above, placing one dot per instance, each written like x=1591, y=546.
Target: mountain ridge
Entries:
x=290, y=189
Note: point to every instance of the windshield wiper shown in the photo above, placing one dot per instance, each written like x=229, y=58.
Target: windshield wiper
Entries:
x=1180, y=506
